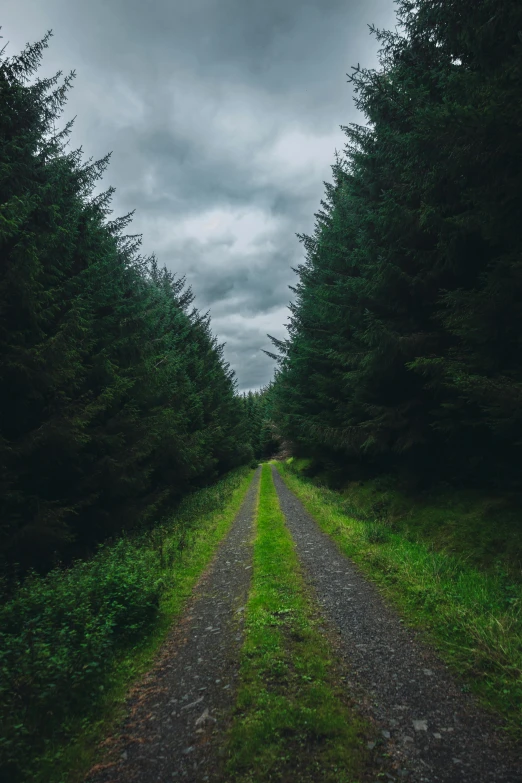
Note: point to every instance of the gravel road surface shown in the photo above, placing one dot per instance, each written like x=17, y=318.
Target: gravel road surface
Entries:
x=178, y=712
x=433, y=731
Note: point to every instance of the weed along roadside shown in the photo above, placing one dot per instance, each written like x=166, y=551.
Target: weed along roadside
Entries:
x=471, y=614
x=292, y=719
x=66, y=690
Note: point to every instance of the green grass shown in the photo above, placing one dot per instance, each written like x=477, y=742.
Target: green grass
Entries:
x=471, y=605
x=482, y=526
x=292, y=721
x=73, y=642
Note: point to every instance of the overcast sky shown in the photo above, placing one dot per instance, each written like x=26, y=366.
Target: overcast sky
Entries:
x=223, y=117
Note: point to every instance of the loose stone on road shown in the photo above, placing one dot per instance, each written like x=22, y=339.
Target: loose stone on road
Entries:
x=434, y=731
x=178, y=712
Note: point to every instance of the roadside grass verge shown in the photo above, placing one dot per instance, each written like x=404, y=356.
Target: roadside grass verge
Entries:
x=292, y=721
x=484, y=527
x=473, y=614
x=73, y=641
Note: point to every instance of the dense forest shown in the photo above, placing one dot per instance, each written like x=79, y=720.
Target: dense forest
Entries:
x=405, y=346
x=116, y=400
x=261, y=431
x=404, y=349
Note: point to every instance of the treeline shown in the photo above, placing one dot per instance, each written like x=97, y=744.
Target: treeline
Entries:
x=405, y=347
x=115, y=399
x=261, y=433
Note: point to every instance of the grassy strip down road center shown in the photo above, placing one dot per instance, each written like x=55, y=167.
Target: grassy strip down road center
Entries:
x=473, y=615
x=73, y=642
x=292, y=720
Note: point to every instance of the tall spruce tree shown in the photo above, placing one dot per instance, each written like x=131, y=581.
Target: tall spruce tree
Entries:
x=405, y=334
x=260, y=430
x=115, y=399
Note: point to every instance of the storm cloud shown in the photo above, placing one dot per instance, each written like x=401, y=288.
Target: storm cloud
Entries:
x=223, y=118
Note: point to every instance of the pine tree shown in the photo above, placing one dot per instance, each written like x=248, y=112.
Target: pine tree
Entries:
x=115, y=398
x=405, y=331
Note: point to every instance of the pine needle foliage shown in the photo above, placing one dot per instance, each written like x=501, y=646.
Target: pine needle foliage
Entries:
x=406, y=331
x=115, y=398
x=261, y=433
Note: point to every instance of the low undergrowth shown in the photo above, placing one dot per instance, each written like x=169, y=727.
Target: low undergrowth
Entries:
x=292, y=721
x=72, y=641
x=473, y=610
x=484, y=527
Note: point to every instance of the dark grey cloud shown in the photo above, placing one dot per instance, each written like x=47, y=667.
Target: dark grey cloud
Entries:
x=223, y=117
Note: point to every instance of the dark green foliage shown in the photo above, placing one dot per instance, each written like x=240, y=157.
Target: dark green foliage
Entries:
x=60, y=634
x=406, y=334
x=115, y=399
x=260, y=428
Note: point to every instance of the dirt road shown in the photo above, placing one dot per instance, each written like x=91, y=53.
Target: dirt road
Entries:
x=427, y=728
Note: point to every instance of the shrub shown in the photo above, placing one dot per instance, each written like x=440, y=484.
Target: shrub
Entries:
x=61, y=633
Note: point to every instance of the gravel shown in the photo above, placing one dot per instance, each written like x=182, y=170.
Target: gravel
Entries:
x=431, y=729
x=177, y=714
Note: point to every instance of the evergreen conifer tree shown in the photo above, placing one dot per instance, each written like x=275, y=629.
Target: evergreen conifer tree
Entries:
x=115, y=398
x=405, y=332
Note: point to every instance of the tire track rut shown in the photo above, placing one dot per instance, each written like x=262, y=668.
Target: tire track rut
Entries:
x=178, y=712
x=433, y=731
